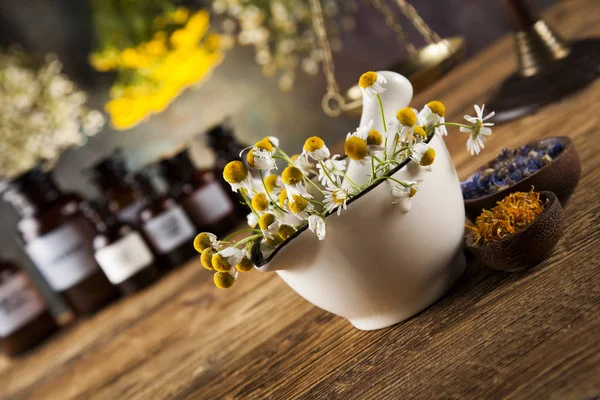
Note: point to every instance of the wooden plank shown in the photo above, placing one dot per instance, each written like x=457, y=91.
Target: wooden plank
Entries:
x=534, y=334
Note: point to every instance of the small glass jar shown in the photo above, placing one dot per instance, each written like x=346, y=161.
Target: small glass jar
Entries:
x=24, y=317
x=166, y=226
x=122, y=252
x=200, y=193
x=57, y=237
x=118, y=187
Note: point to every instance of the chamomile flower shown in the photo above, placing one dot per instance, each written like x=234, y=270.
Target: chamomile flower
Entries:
x=260, y=202
x=226, y=259
x=269, y=225
x=261, y=159
x=300, y=206
x=224, y=280
x=315, y=148
x=407, y=118
x=238, y=176
x=423, y=154
x=374, y=141
x=273, y=140
x=362, y=131
x=245, y=264
x=293, y=180
x=336, y=199
x=478, y=130
x=371, y=84
x=302, y=163
x=400, y=192
x=204, y=241
x=403, y=194
x=434, y=113
x=334, y=167
x=356, y=149
x=273, y=184
x=285, y=231
x=317, y=224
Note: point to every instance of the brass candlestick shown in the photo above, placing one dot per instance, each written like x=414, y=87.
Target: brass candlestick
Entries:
x=550, y=68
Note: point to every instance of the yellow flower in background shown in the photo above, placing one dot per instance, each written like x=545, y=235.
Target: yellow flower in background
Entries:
x=179, y=52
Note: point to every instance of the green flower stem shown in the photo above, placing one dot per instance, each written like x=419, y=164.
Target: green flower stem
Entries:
x=269, y=194
x=248, y=202
x=286, y=157
x=238, y=232
x=247, y=239
x=382, y=113
x=316, y=202
x=372, y=168
x=447, y=124
x=351, y=181
x=312, y=183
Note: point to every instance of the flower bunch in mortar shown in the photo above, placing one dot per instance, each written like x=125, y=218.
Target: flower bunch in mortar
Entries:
x=308, y=187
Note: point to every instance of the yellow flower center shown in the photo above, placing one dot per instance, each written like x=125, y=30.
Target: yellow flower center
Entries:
x=339, y=196
x=437, y=107
x=374, y=138
x=299, y=204
x=282, y=197
x=413, y=191
x=406, y=116
x=235, y=172
x=250, y=158
x=260, y=202
x=202, y=242
x=367, y=79
x=264, y=144
x=419, y=131
x=276, y=241
x=285, y=231
x=294, y=157
x=223, y=280
x=266, y=220
x=291, y=175
x=270, y=182
x=206, y=258
x=428, y=157
x=220, y=263
x=313, y=144
x=244, y=265
x=356, y=148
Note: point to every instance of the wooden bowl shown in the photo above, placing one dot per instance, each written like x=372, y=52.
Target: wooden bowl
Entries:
x=527, y=247
x=561, y=177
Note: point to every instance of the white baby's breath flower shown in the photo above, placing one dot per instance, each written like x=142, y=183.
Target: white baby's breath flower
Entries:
x=317, y=224
x=334, y=167
x=336, y=199
x=478, y=131
x=371, y=84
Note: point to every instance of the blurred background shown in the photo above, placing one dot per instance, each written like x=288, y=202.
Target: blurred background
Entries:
x=257, y=105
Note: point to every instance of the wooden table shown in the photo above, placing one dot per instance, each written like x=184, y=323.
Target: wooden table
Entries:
x=534, y=334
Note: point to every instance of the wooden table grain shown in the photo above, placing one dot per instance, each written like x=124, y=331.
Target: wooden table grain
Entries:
x=533, y=334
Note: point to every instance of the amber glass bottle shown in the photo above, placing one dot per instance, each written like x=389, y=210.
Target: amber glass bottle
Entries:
x=222, y=140
x=118, y=187
x=121, y=251
x=24, y=317
x=58, y=239
x=200, y=194
x=166, y=225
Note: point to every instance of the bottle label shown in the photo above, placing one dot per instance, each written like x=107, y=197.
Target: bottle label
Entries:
x=122, y=259
x=169, y=230
x=209, y=204
x=64, y=256
x=19, y=304
x=130, y=213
